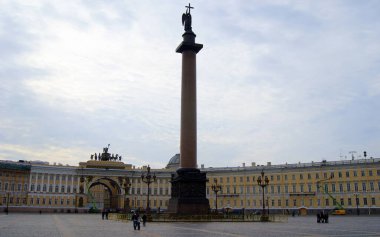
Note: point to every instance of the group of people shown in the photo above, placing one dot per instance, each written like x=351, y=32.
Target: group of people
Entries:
x=136, y=219
x=322, y=217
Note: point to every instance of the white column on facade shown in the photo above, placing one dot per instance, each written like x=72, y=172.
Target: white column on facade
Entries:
x=48, y=182
x=36, y=182
x=60, y=183
x=54, y=182
x=66, y=179
x=72, y=183
x=30, y=182
x=78, y=184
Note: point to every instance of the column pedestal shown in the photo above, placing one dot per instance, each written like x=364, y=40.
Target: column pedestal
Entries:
x=189, y=192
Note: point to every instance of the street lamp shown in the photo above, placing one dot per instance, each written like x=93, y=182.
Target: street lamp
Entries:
x=216, y=188
x=357, y=203
x=148, y=179
x=263, y=181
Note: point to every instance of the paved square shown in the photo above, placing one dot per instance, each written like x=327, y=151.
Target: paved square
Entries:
x=91, y=225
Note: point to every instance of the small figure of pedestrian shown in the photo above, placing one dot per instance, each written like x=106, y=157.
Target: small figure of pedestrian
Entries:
x=107, y=211
x=136, y=221
x=318, y=218
x=144, y=219
x=103, y=213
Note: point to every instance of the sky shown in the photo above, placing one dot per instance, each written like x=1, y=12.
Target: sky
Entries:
x=277, y=81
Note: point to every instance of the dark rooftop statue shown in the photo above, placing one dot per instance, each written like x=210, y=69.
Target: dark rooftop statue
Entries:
x=186, y=18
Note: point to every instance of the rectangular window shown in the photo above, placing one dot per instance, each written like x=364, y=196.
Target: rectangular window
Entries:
x=310, y=202
x=241, y=179
x=364, y=186
x=326, y=188
x=301, y=176
x=342, y=201
x=279, y=202
x=278, y=177
x=286, y=177
x=317, y=176
x=355, y=173
x=347, y=174
x=295, y=202
x=19, y=186
x=340, y=174
x=301, y=188
x=293, y=177
x=287, y=191
x=272, y=189
x=234, y=179
x=356, y=187
x=309, y=188
x=287, y=202
x=340, y=187
x=363, y=173
x=278, y=189
x=373, y=201
x=348, y=187
x=247, y=178
x=308, y=176
x=371, y=186
x=370, y=173
x=349, y=201
x=365, y=201
x=333, y=188
x=327, y=202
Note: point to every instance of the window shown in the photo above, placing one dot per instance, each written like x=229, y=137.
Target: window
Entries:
x=294, y=188
x=38, y=187
x=234, y=179
x=50, y=188
x=44, y=188
x=325, y=175
x=311, y=202
x=347, y=174
x=364, y=187
x=278, y=189
x=228, y=179
x=19, y=187
x=247, y=178
x=241, y=179
x=355, y=173
x=309, y=188
x=349, y=201
x=279, y=202
x=370, y=173
x=278, y=177
x=25, y=187
x=0, y=186
x=340, y=187
x=295, y=202
x=56, y=188
x=286, y=177
x=378, y=172
x=373, y=201
x=62, y=189
x=371, y=186
x=317, y=176
x=293, y=177
x=301, y=188
x=32, y=187
x=272, y=189
x=333, y=188
x=301, y=176
x=342, y=201
x=326, y=188
x=287, y=191
x=287, y=202
x=327, y=202
x=340, y=174
x=365, y=201
x=356, y=187
x=348, y=187
x=308, y=176
x=363, y=173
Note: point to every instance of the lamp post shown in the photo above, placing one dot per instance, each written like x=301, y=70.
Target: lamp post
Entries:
x=148, y=179
x=7, y=209
x=357, y=203
x=216, y=188
x=263, y=181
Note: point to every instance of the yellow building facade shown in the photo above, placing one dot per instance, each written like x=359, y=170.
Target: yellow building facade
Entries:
x=352, y=184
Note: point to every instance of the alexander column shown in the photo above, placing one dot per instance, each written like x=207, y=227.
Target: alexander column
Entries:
x=188, y=184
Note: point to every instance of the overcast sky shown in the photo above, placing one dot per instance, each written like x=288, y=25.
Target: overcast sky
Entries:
x=277, y=81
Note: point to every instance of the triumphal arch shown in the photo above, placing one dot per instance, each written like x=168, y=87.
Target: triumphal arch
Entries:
x=104, y=182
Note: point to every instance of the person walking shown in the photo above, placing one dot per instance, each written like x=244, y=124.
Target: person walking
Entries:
x=144, y=220
x=136, y=221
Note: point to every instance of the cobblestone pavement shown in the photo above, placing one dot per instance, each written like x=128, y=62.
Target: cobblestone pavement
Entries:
x=91, y=225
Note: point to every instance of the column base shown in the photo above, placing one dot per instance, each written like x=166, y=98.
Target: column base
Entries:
x=189, y=192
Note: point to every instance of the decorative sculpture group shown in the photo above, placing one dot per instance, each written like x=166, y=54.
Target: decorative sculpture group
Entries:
x=105, y=156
